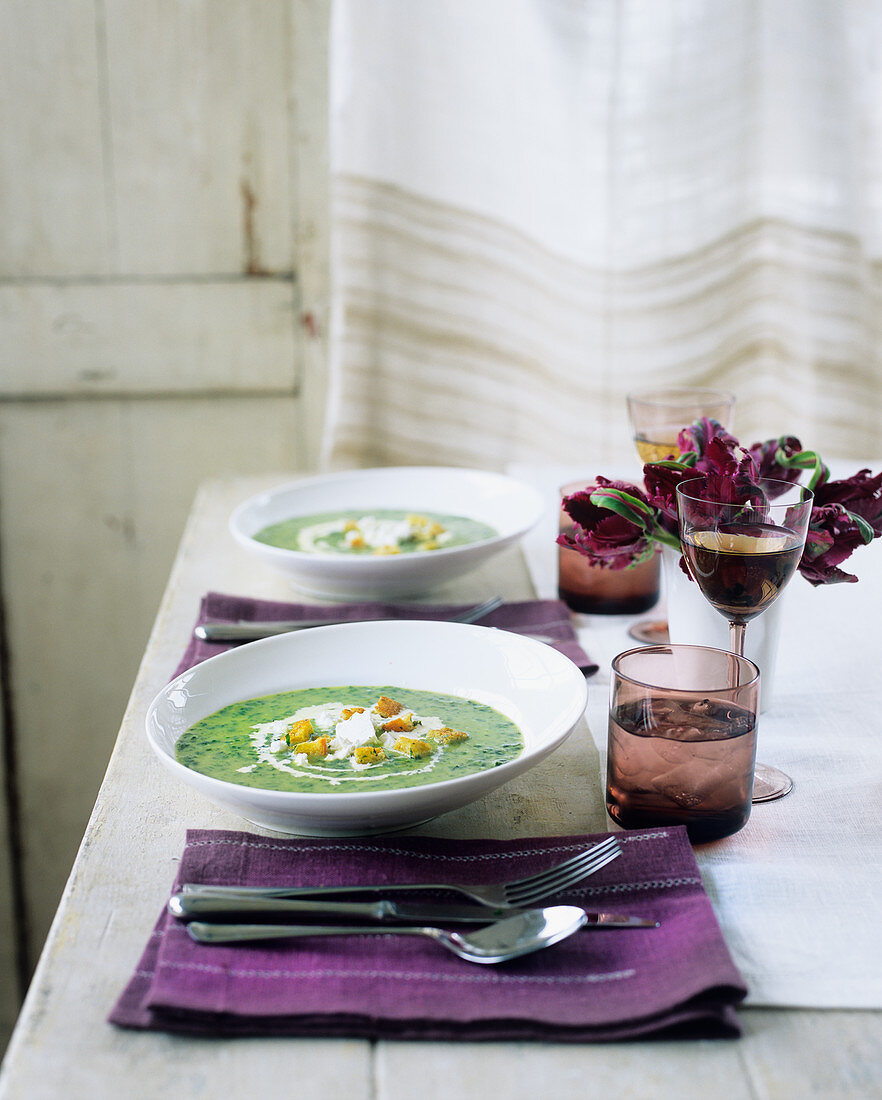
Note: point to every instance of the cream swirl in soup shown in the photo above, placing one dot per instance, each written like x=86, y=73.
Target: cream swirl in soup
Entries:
x=349, y=738
x=378, y=531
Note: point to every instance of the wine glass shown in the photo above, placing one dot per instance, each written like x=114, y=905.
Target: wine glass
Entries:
x=657, y=417
x=741, y=554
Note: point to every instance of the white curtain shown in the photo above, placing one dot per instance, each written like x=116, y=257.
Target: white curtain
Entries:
x=539, y=205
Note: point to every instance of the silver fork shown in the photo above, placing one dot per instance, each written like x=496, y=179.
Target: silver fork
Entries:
x=517, y=893
x=245, y=631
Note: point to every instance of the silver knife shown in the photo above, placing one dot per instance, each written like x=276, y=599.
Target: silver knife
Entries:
x=191, y=907
x=245, y=631
x=252, y=632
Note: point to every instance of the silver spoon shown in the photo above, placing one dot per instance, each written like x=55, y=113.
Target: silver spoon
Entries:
x=505, y=939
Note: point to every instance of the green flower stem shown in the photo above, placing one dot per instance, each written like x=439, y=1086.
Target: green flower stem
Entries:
x=628, y=507
x=866, y=531
x=666, y=538
x=805, y=460
x=636, y=511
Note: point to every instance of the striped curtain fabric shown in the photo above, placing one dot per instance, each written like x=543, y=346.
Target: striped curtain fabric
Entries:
x=540, y=205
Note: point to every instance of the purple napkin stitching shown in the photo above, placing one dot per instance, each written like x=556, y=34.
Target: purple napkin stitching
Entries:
x=598, y=985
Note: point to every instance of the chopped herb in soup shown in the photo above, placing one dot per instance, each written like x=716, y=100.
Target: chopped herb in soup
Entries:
x=382, y=531
x=348, y=739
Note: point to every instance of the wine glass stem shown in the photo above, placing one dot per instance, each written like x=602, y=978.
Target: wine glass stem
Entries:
x=736, y=638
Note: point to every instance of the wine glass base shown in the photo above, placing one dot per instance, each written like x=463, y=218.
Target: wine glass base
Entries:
x=651, y=631
x=770, y=783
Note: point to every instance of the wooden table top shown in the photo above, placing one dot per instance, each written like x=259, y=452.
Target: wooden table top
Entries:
x=63, y=1046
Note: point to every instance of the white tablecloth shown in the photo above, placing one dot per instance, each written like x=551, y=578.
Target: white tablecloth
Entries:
x=798, y=891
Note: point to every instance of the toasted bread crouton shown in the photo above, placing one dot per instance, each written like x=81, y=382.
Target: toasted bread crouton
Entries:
x=404, y=724
x=386, y=707
x=318, y=747
x=369, y=754
x=413, y=747
x=349, y=711
x=425, y=528
x=388, y=550
x=356, y=542
x=447, y=736
x=298, y=732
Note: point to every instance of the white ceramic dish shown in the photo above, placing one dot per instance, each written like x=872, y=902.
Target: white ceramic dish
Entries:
x=542, y=691
x=507, y=505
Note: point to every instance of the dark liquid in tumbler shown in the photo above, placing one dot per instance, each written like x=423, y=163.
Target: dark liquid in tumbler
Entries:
x=674, y=763
x=741, y=568
x=596, y=591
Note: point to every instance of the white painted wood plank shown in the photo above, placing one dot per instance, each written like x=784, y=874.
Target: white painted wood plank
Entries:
x=9, y=991
x=199, y=113
x=53, y=208
x=94, y=499
x=93, y=339
x=781, y=1054
x=147, y=226
x=523, y=1071
x=310, y=200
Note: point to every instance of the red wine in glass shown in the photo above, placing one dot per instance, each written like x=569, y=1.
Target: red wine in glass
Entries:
x=742, y=567
x=741, y=554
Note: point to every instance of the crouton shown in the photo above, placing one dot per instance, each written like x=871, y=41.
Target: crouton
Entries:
x=298, y=732
x=425, y=528
x=447, y=736
x=369, y=754
x=413, y=747
x=386, y=707
x=318, y=747
x=349, y=711
x=404, y=724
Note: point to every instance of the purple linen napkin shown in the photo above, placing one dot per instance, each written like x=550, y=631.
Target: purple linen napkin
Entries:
x=529, y=616
x=675, y=980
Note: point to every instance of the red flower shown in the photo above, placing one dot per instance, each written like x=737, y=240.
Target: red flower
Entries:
x=832, y=537
x=699, y=435
x=662, y=479
x=610, y=539
x=617, y=524
x=766, y=457
x=723, y=476
x=861, y=494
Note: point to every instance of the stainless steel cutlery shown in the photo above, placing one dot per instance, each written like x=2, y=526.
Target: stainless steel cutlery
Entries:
x=246, y=631
x=511, y=927
x=518, y=934
x=517, y=893
x=228, y=908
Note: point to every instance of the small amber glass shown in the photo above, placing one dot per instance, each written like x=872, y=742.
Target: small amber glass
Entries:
x=595, y=590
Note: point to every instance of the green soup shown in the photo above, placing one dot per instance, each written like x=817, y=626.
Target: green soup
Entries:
x=265, y=742
x=378, y=531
